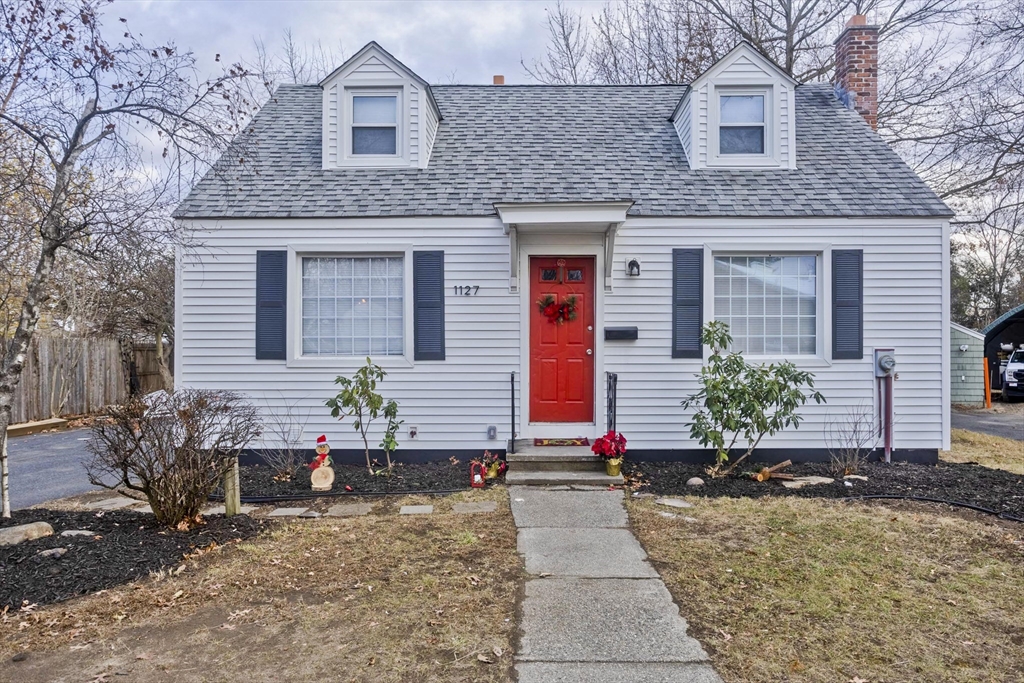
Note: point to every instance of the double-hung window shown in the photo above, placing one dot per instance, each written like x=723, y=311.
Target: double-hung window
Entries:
x=769, y=302
x=742, y=127
x=375, y=125
x=353, y=306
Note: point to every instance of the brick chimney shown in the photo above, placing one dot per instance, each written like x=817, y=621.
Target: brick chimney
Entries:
x=499, y=80
x=856, y=78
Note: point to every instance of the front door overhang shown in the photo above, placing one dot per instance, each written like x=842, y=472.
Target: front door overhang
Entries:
x=562, y=218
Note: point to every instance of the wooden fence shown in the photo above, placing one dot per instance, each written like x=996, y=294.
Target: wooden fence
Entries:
x=147, y=368
x=69, y=376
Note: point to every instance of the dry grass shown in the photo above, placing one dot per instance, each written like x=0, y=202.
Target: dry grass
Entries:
x=984, y=449
x=788, y=589
x=382, y=598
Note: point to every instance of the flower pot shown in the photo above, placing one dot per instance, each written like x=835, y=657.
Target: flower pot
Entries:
x=494, y=470
x=612, y=466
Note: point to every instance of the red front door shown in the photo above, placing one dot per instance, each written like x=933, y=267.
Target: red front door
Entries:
x=562, y=352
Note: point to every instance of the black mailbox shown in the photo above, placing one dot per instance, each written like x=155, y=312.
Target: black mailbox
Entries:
x=621, y=333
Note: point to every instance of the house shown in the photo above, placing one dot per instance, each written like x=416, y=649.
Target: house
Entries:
x=967, y=366
x=429, y=226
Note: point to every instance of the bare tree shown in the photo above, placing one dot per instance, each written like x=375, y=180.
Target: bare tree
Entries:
x=290, y=62
x=76, y=115
x=568, y=60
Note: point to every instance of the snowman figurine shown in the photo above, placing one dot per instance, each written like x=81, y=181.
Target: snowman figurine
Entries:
x=322, y=477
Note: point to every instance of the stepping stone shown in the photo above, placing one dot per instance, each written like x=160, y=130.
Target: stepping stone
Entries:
x=143, y=509
x=220, y=510
x=77, y=532
x=801, y=482
x=606, y=620
x=589, y=553
x=416, y=510
x=534, y=507
x=310, y=514
x=112, y=503
x=472, y=508
x=668, y=515
x=350, y=510
x=674, y=503
x=286, y=512
x=14, y=535
x=614, y=672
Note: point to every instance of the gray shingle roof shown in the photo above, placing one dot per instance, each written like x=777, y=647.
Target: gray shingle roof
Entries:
x=556, y=144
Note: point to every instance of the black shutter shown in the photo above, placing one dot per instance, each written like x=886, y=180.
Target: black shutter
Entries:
x=847, y=304
x=428, y=304
x=271, y=304
x=687, y=302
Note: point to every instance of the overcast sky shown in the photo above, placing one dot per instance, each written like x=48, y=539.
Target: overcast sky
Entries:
x=441, y=40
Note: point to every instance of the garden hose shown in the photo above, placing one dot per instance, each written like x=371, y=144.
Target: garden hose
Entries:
x=956, y=503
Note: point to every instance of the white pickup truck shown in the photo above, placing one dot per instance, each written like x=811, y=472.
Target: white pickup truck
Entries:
x=1013, y=377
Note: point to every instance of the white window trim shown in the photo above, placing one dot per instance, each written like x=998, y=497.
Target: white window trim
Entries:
x=343, y=364
x=771, y=156
x=401, y=157
x=823, y=295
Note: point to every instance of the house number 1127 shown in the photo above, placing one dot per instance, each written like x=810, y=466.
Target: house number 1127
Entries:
x=466, y=290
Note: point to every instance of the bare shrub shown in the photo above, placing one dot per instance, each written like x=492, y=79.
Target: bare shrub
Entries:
x=172, y=448
x=285, y=427
x=850, y=439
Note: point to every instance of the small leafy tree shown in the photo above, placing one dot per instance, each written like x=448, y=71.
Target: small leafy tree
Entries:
x=389, y=443
x=173, y=448
x=738, y=400
x=359, y=400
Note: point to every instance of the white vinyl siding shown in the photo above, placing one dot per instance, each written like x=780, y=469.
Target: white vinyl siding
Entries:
x=454, y=401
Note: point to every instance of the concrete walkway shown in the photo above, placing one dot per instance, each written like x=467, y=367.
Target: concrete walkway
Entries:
x=595, y=610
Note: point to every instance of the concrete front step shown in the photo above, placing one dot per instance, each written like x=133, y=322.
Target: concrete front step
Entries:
x=560, y=478
x=548, y=463
x=530, y=458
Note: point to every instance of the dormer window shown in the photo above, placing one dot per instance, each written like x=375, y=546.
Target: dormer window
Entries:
x=740, y=113
x=375, y=125
x=741, y=124
x=377, y=114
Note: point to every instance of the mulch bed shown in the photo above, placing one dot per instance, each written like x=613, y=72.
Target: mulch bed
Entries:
x=992, y=489
x=258, y=480
x=126, y=546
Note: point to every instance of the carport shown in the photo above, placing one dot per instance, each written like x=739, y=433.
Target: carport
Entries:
x=1008, y=330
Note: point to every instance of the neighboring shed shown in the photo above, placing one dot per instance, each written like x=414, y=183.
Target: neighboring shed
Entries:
x=966, y=366
x=1006, y=329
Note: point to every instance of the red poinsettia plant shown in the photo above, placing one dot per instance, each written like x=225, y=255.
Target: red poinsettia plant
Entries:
x=611, y=446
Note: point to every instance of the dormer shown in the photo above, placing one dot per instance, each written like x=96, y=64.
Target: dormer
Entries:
x=739, y=114
x=377, y=113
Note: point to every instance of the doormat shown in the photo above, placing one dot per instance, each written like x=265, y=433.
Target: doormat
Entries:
x=582, y=441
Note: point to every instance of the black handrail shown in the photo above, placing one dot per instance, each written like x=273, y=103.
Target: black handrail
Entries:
x=613, y=400
x=512, y=432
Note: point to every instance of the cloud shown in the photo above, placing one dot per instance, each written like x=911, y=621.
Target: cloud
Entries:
x=464, y=41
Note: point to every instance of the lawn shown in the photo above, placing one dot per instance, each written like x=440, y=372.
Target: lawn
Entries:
x=382, y=597
x=987, y=450
x=791, y=589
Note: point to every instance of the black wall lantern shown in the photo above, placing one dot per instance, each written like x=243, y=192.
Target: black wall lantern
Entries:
x=633, y=267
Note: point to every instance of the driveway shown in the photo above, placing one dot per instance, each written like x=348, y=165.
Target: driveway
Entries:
x=1009, y=425
x=47, y=466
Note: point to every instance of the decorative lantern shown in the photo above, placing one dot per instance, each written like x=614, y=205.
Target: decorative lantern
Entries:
x=477, y=475
x=322, y=477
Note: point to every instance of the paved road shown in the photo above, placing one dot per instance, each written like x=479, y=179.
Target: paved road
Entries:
x=1006, y=425
x=47, y=466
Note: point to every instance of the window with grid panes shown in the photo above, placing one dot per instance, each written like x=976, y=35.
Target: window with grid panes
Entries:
x=769, y=303
x=353, y=306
